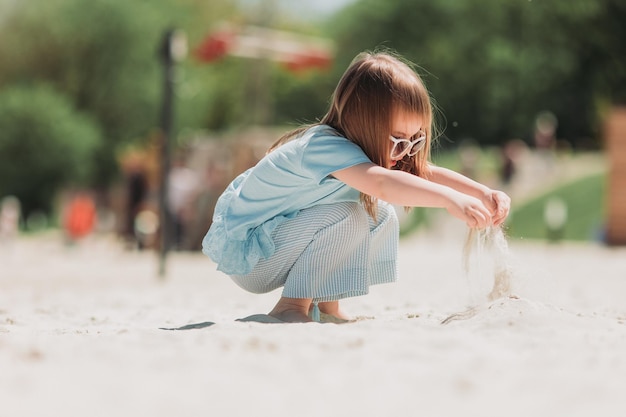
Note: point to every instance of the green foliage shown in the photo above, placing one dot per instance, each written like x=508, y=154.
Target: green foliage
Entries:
x=492, y=66
x=82, y=49
x=416, y=217
x=585, y=200
x=44, y=145
x=102, y=54
x=303, y=98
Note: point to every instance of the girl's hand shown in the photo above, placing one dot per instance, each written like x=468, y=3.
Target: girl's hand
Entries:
x=469, y=209
x=499, y=205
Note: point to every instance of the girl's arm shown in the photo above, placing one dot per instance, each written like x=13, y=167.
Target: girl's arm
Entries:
x=457, y=181
x=497, y=202
x=401, y=188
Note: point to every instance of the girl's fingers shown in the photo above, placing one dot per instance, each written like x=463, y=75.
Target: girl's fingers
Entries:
x=501, y=205
x=478, y=218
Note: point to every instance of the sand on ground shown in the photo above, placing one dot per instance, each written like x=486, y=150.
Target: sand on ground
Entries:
x=81, y=334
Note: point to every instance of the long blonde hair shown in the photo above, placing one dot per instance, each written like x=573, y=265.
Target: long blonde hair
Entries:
x=375, y=85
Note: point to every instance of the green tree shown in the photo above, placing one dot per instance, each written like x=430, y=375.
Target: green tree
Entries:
x=97, y=54
x=492, y=66
x=103, y=55
x=44, y=145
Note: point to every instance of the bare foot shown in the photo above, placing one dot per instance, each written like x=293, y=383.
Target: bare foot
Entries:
x=332, y=308
x=329, y=318
x=292, y=310
x=330, y=313
x=290, y=316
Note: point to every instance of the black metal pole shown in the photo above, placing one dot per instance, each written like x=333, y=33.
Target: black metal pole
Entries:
x=165, y=54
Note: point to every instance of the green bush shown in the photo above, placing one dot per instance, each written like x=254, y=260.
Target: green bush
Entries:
x=44, y=145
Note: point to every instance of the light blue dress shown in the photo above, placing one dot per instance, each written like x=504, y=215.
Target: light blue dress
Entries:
x=294, y=177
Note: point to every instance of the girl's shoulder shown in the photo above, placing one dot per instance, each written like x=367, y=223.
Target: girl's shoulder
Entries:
x=316, y=132
x=316, y=138
x=324, y=130
x=324, y=137
x=324, y=151
x=318, y=148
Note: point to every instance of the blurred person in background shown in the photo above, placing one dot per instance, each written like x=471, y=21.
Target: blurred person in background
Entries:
x=136, y=194
x=9, y=219
x=79, y=217
x=183, y=189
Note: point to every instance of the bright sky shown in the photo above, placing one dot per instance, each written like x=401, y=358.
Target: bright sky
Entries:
x=323, y=6
x=302, y=8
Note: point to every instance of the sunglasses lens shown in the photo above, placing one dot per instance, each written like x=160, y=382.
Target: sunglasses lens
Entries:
x=398, y=149
x=417, y=146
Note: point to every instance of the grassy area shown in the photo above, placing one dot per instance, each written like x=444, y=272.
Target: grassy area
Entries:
x=585, y=201
x=584, y=198
x=416, y=218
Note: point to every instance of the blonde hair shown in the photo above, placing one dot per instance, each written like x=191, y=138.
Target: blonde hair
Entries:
x=375, y=85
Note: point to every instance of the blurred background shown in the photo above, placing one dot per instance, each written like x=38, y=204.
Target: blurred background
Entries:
x=120, y=116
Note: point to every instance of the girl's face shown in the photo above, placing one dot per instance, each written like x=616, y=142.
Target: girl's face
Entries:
x=404, y=125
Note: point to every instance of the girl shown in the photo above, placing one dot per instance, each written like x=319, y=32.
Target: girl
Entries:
x=315, y=215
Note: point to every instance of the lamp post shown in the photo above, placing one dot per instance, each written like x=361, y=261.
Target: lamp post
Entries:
x=173, y=48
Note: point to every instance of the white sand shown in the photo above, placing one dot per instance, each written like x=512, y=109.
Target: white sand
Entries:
x=79, y=336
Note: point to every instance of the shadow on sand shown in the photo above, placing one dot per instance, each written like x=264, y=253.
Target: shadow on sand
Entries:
x=190, y=326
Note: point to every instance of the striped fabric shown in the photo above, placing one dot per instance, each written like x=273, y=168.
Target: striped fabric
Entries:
x=329, y=252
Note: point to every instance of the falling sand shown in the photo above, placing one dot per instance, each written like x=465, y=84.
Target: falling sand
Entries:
x=489, y=243
x=491, y=239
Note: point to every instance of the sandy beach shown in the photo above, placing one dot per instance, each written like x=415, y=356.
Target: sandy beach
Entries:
x=81, y=334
